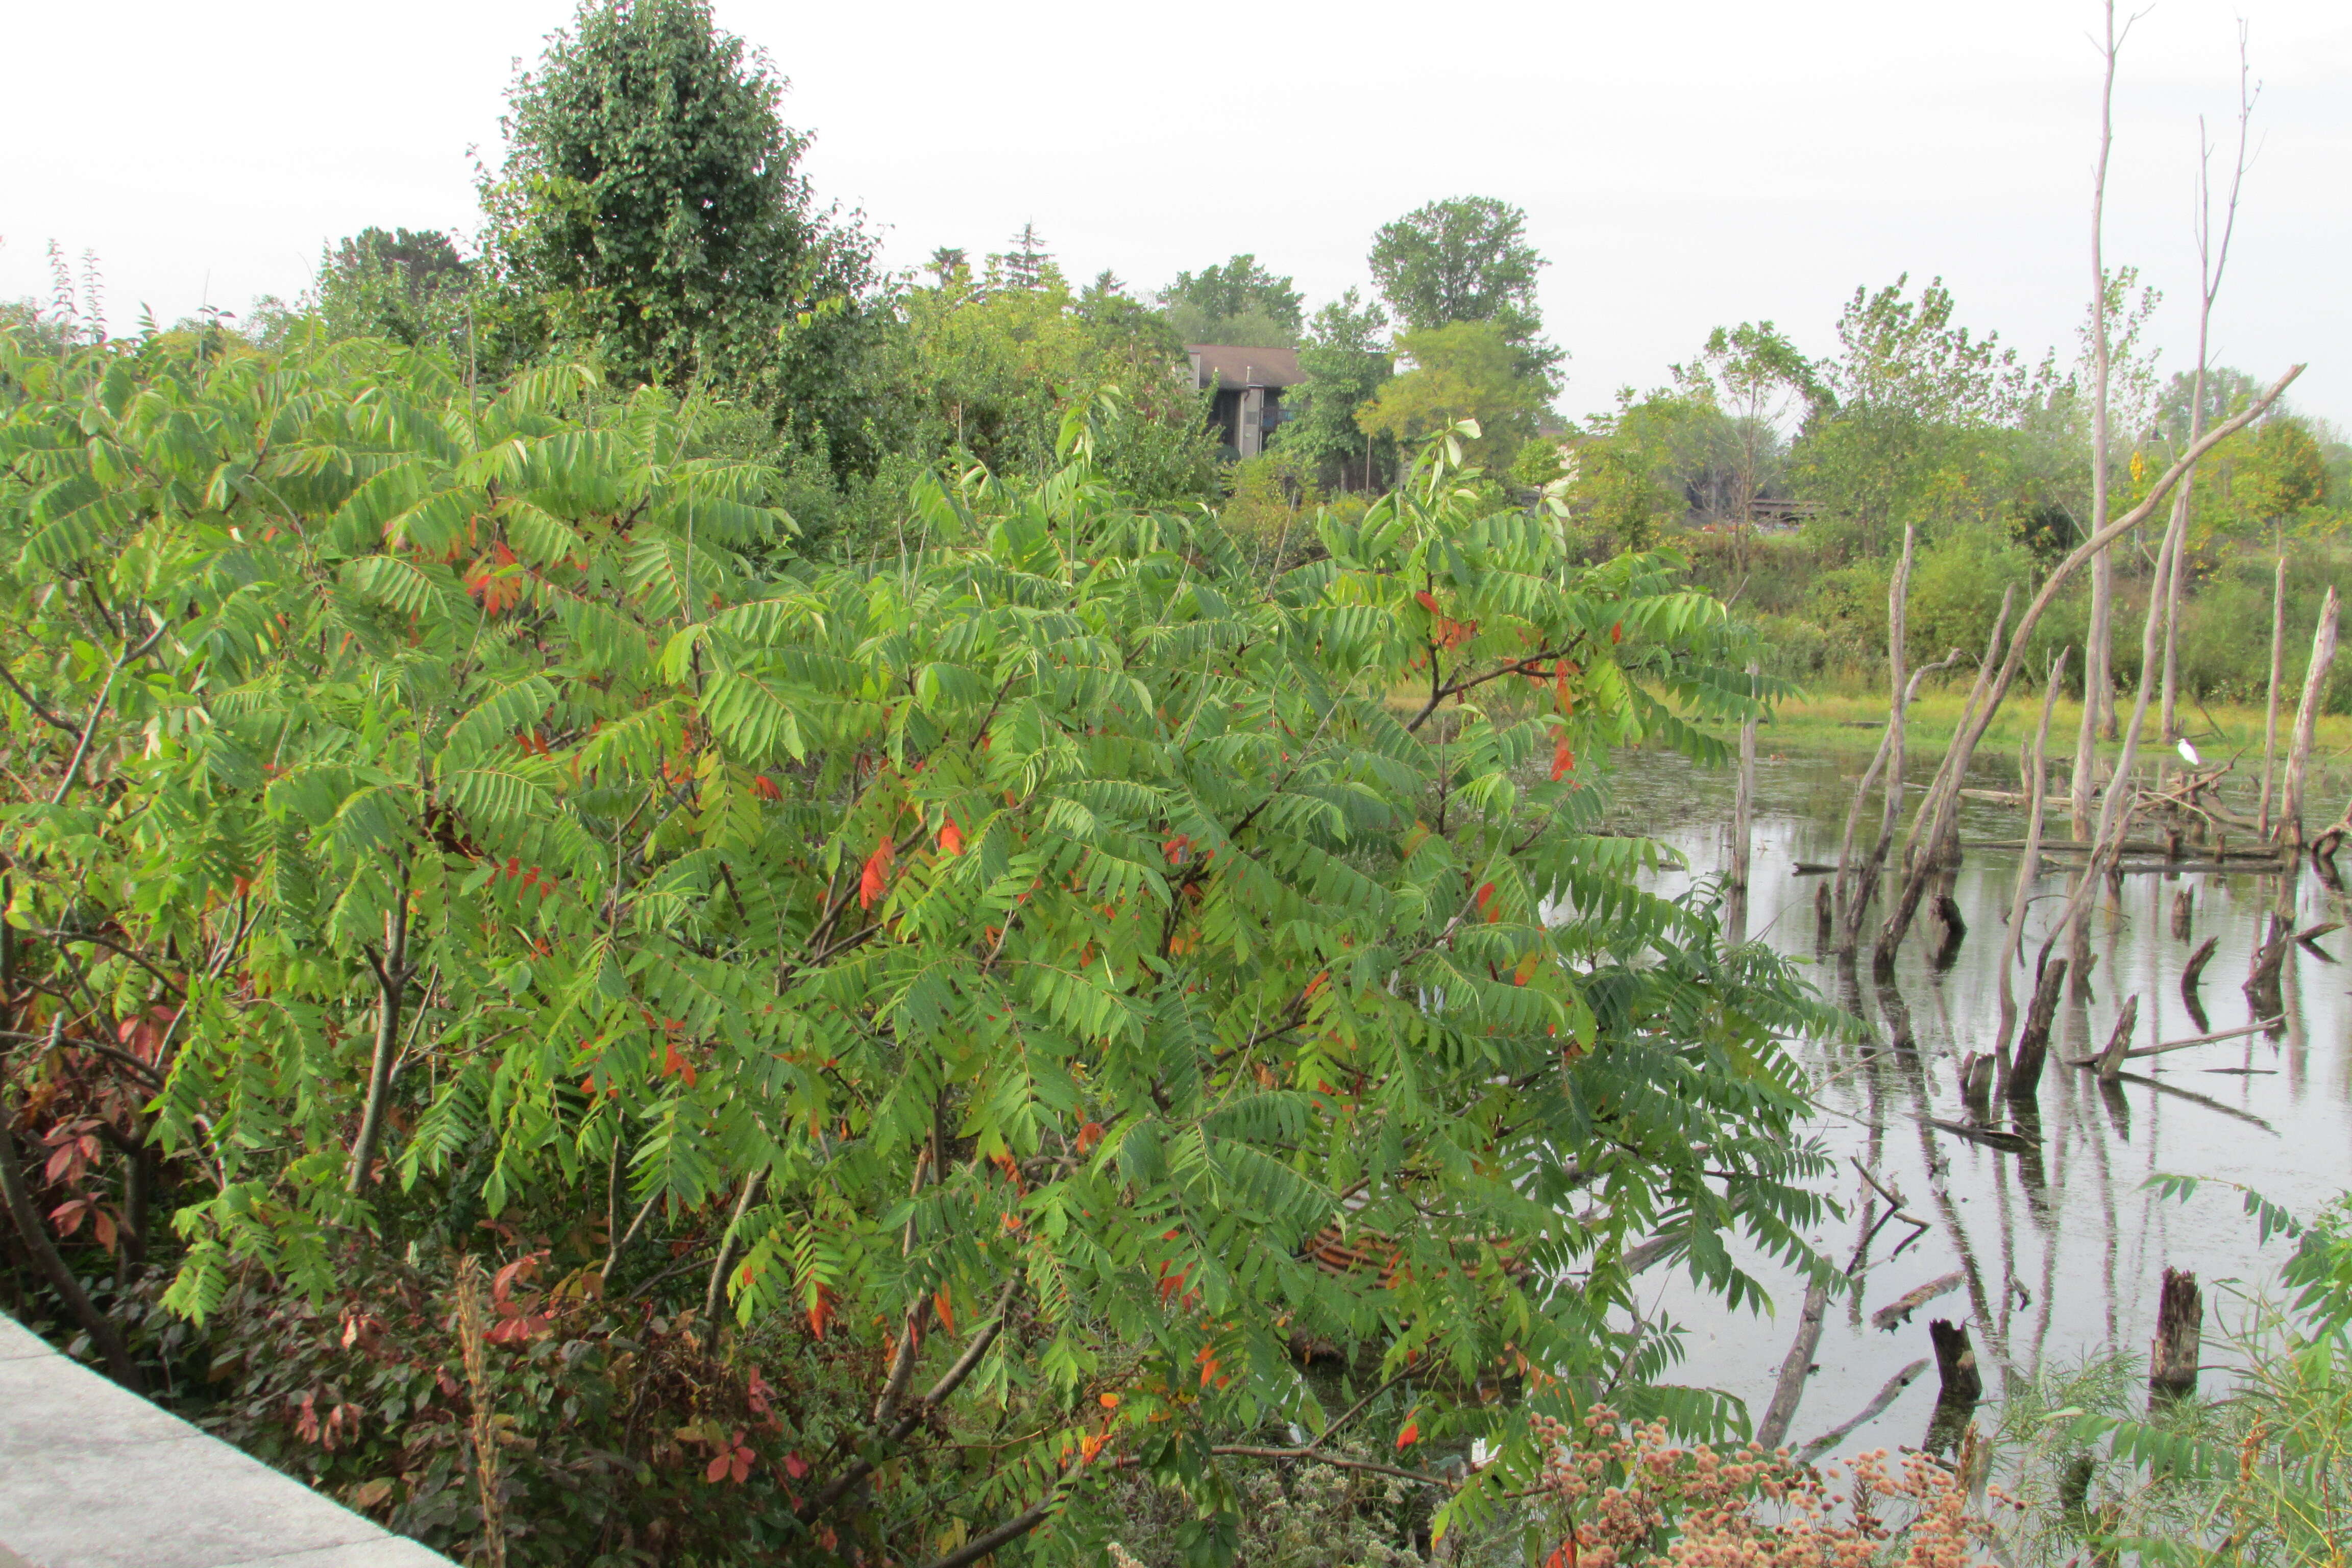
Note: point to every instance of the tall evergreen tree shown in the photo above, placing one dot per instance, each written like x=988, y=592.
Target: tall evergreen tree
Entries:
x=651, y=204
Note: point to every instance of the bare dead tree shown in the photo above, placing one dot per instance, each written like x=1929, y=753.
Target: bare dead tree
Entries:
x=2098, y=656
x=2212, y=260
x=2028, y=864
x=1898, y=599
x=1940, y=811
x=1743, y=813
x=2306, y=721
x=2270, y=713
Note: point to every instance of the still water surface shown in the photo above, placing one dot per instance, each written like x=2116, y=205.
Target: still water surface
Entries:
x=2061, y=1250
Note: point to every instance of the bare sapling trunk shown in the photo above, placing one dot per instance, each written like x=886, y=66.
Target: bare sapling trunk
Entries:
x=2098, y=697
x=1943, y=807
x=2270, y=707
x=1898, y=601
x=2028, y=866
x=391, y=976
x=1743, y=812
x=2306, y=722
x=2212, y=260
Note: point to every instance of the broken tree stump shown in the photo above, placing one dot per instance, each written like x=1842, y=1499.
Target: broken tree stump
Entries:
x=2033, y=1039
x=1956, y=1363
x=2194, y=969
x=1955, y=931
x=2180, y=1337
x=1976, y=1084
x=2183, y=906
x=2111, y=1060
x=2262, y=987
x=1824, y=917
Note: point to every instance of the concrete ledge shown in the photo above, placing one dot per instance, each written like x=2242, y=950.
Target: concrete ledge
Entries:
x=92, y=1476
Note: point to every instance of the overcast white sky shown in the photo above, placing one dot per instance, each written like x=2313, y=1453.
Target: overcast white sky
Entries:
x=1682, y=165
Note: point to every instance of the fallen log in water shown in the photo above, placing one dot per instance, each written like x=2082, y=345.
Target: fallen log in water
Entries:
x=2208, y=1103
x=1870, y=1412
x=1991, y=1137
x=1794, y=1367
x=1899, y=1310
x=2138, y=1051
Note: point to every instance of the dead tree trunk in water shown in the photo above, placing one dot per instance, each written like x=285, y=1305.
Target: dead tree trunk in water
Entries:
x=1941, y=810
x=2269, y=716
x=2184, y=905
x=2029, y=866
x=1857, y=897
x=1956, y=1363
x=2033, y=1041
x=2306, y=720
x=2180, y=1337
x=1743, y=813
x=2111, y=1060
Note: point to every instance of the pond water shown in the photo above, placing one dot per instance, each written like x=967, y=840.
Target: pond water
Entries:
x=2061, y=1250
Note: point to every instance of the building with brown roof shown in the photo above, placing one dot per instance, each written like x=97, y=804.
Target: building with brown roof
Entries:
x=1249, y=384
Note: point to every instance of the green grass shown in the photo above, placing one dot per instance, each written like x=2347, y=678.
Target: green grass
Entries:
x=1850, y=718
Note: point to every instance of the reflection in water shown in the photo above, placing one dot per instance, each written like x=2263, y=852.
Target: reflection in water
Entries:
x=2053, y=1229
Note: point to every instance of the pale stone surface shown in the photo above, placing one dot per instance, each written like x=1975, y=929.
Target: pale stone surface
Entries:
x=92, y=1476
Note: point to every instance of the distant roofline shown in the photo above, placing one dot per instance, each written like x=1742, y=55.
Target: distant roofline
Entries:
x=1239, y=365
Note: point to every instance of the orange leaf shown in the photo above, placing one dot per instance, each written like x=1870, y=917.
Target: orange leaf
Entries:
x=951, y=838
x=717, y=1471
x=765, y=788
x=1174, y=847
x=796, y=1466
x=1107, y=1400
x=944, y=1305
x=1617, y=632
x=1486, y=897
x=1089, y=1135
x=876, y=878
x=1562, y=758
x=1409, y=1435
x=1427, y=600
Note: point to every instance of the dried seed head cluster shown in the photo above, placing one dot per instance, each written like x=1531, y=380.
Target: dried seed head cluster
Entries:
x=1625, y=1495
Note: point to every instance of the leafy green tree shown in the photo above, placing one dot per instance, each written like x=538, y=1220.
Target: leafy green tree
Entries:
x=2283, y=473
x=989, y=374
x=651, y=211
x=1239, y=302
x=1018, y=980
x=1465, y=369
x=1919, y=421
x=1346, y=359
x=1467, y=260
x=411, y=286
